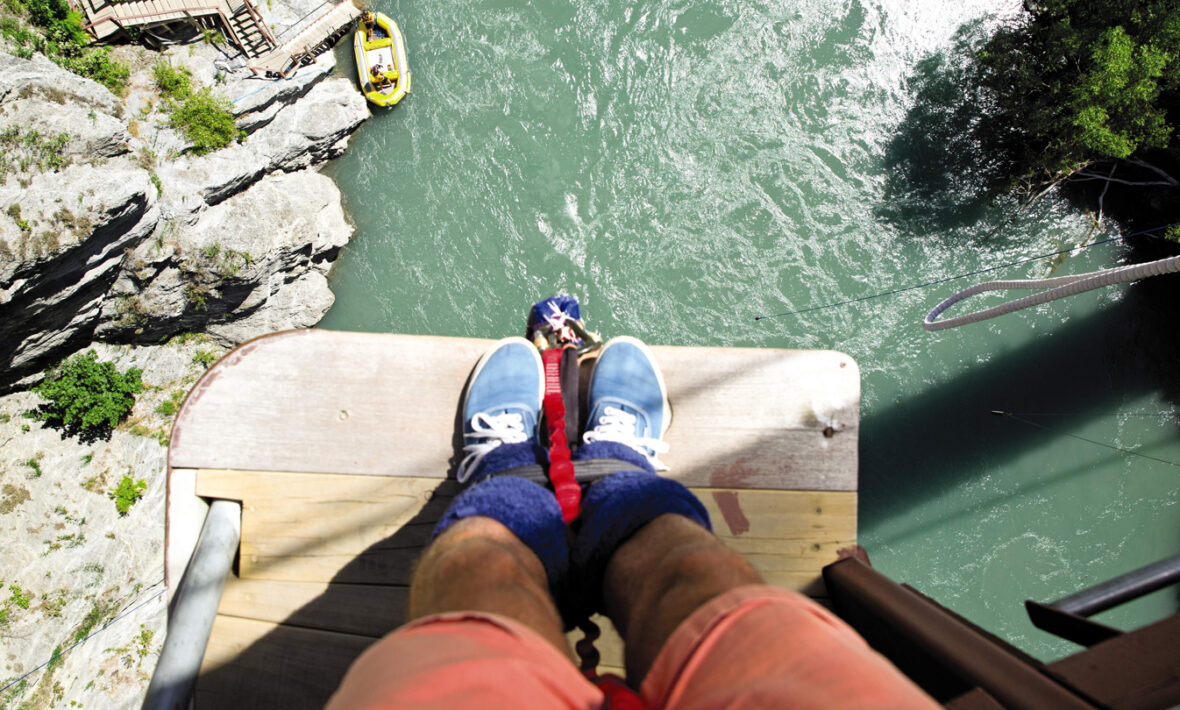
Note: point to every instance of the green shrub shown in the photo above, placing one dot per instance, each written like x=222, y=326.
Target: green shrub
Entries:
x=98, y=613
x=205, y=120
x=98, y=64
x=174, y=82
x=205, y=357
x=86, y=394
x=19, y=597
x=24, y=41
x=63, y=40
x=44, y=13
x=128, y=492
x=27, y=149
x=171, y=405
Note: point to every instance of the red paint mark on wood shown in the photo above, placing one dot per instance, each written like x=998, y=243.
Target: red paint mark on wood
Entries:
x=735, y=474
x=731, y=510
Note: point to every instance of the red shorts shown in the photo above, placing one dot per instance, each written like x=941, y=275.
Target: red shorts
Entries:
x=752, y=647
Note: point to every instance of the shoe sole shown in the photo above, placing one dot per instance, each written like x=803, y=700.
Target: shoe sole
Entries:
x=655, y=366
x=491, y=351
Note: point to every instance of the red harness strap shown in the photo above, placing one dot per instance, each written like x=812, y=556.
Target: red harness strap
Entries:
x=561, y=469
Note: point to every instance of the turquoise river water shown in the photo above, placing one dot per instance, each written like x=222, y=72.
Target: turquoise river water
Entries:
x=683, y=166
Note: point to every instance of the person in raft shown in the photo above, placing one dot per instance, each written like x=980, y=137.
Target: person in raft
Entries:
x=701, y=629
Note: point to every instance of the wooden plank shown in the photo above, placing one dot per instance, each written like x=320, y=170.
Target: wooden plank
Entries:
x=326, y=402
x=609, y=645
x=319, y=528
x=756, y=418
x=254, y=664
x=788, y=536
x=370, y=529
x=362, y=534
x=363, y=609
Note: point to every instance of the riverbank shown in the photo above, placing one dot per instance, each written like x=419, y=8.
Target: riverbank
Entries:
x=114, y=236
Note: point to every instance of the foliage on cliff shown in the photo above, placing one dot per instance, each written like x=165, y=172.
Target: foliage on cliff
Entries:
x=204, y=119
x=127, y=493
x=1083, y=82
x=59, y=35
x=85, y=395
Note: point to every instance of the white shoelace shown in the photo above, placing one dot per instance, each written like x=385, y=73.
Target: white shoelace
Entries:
x=507, y=428
x=619, y=426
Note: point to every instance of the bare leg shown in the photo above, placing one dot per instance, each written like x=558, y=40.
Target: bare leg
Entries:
x=659, y=577
x=479, y=565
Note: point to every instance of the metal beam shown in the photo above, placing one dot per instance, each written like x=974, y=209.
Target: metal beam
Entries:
x=194, y=608
x=1123, y=588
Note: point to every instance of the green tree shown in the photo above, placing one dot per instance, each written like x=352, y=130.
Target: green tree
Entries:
x=86, y=395
x=1084, y=81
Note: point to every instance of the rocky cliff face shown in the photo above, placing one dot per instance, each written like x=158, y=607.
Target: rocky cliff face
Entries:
x=113, y=237
x=104, y=238
x=252, y=264
x=79, y=578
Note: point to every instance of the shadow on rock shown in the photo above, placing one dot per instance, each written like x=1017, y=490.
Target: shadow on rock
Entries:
x=87, y=435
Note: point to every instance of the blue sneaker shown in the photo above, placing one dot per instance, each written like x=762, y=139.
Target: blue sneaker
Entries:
x=503, y=401
x=628, y=400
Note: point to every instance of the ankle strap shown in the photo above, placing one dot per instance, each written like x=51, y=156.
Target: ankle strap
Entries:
x=585, y=470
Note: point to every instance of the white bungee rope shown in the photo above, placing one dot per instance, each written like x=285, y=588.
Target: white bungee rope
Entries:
x=1058, y=287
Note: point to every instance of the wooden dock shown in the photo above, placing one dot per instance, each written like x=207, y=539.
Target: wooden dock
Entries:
x=239, y=19
x=311, y=36
x=339, y=447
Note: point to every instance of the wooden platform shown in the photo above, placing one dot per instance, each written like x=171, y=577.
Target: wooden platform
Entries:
x=312, y=36
x=339, y=446
x=239, y=19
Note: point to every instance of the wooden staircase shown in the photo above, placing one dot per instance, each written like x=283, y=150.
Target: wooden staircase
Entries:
x=240, y=20
x=253, y=36
x=313, y=35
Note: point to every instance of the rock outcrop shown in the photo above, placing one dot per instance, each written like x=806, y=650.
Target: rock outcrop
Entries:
x=62, y=246
x=230, y=273
x=113, y=237
x=101, y=238
x=90, y=578
x=40, y=78
x=309, y=131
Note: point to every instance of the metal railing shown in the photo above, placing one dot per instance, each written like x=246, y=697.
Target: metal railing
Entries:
x=194, y=608
x=1068, y=617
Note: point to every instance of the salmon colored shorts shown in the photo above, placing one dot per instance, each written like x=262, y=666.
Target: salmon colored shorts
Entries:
x=752, y=647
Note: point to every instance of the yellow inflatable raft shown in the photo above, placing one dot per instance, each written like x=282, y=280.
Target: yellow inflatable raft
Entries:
x=381, y=64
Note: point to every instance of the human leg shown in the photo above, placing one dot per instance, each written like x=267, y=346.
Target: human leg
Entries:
x=661, y=575
x=702, y=632
x=700, y=629
x=644, y=553
x=628, y=415
x=484, y=631
x=501, y=544
x=478, y=564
